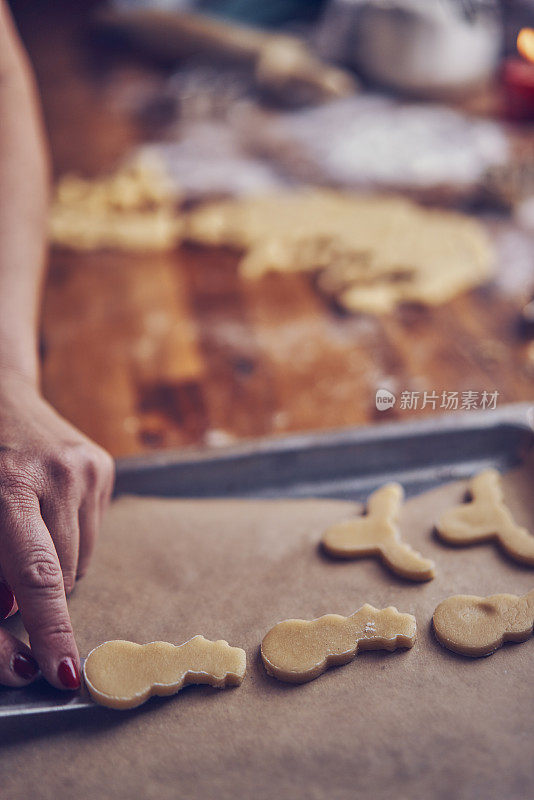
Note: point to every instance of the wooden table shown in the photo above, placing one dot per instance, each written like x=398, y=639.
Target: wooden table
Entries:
x=171, y=350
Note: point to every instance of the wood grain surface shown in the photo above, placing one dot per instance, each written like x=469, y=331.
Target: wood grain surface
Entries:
x=173, y=350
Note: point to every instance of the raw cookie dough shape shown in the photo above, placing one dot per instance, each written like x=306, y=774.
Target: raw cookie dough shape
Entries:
x=122, y=674
x=299, y=650
x=377, y=533
x=477, y=626
x=485, y=518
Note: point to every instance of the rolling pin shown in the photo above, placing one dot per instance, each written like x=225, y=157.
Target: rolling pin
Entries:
x=283, y=66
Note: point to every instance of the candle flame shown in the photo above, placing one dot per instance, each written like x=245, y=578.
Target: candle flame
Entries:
x=525, y=43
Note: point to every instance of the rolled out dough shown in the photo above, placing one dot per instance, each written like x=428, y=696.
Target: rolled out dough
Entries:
x=133, y=208
x=370, y=252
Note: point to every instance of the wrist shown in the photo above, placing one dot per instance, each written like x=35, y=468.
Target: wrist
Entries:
x=22, y=371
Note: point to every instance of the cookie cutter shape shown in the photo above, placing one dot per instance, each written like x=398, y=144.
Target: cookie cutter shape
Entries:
x=377, y=534
x=477, y=626
x=299, y=650
x=486, y=518
x=122, y=674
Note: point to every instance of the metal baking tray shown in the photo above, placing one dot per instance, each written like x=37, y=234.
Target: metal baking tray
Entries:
x=344, y=464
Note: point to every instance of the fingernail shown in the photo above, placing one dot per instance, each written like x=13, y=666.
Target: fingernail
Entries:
x=25, y=666
x=68, y=674
x=7, y=600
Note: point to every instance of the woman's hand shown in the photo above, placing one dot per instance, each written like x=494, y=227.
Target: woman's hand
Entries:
x=54, y=486
x=54, y=482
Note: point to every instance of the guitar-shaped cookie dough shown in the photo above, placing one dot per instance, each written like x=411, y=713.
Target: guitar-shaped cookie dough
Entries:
x=123, y=674
x=377, y=534
x=299, y=650
x=485, y=518
x=477, y=626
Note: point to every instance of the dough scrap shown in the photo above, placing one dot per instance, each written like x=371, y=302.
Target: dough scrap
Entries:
x=122, y=674
x=299, y=650
x=370, y=252
x=487, y=518
x=477, y=626
x=377, y=534
x=134, y=208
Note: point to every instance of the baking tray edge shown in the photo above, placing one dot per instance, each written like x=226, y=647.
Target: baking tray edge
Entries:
x=346, y=463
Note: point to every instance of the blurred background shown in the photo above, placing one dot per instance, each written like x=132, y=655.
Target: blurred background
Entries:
x=266, y=213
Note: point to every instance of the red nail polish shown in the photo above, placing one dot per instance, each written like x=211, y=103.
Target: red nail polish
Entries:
x=7, y=600
x=25, y=666
x=68, y=674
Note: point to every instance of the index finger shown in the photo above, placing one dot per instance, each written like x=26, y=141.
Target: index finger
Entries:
x=31, y=566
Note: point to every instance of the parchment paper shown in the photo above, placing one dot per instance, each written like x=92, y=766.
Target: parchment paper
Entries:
x=423, y=723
